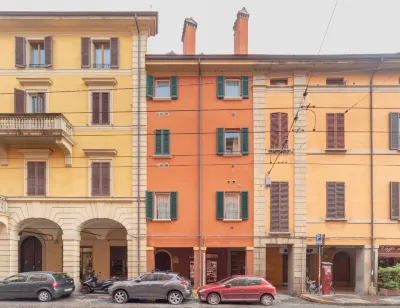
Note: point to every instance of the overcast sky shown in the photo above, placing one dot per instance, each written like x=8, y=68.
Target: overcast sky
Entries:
x=275, y=26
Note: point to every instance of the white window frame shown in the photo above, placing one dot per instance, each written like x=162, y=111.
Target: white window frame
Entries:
x=156, y=206
x=97, y=40
x=100, y=160
x=32, y=90
x=155, y=88
x=240, y=87
x=29, y=41
x=100, y=89
x=237, y=194
x=239, y=141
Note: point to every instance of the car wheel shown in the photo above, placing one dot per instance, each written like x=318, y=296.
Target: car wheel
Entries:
x=44, y=296
x=175, y=297
x=85, y=290
x=120, y=296
x=267, y=300
x=213, y=299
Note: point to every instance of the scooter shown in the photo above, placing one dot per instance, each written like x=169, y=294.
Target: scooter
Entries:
x=90, y=284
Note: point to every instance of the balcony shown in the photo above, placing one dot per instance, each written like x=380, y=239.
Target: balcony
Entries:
x=47, y=129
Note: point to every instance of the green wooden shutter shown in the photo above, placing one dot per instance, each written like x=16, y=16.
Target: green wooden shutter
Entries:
x=165, y=142
x=174, y=205
x=245, y=140
x=220, y=141
x=149, y=204
x=244, y=198
x=245, y=86
x=220, y=205
x=174, y=87
x=220, y=86
x=158, y=142
x=150, y=86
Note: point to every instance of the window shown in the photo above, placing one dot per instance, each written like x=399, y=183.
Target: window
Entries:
x=395, y=200
x=162, y=142
x=232, y=88
x=163, y=88
x=164, y=277
x=36, y=178
x=335, y=131
x=162, y=208
x=101, y=108
x=238, y=282
x=394, y=125
x=37, y=54
x=36, y=278
x=279, y=82
x=232, y=206
x=16, y=278
x=149, y=277
x=102, y=54
x=335, y=200
x=279, y=130
x=36, y=103
x=232, y=142
x=279, y=207
x=253, y=282
x=101, y=178
x=335, y=81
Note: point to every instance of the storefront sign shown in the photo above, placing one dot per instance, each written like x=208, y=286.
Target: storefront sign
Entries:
x=389, y=251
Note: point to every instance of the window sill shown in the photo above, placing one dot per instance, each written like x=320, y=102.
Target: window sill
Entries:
x=101, y=125
x=232, y=220
x=277, y=233
x=233, y=98
x=162, y=99
x=279, y=150
x=335, y=150
x=161, y=156
x=336, y=219
x=161, y=220
x=232, y=155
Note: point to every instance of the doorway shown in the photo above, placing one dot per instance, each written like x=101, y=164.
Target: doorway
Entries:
x=341, y=269
x=163, y=261
x=118, y=257
x=31, y=254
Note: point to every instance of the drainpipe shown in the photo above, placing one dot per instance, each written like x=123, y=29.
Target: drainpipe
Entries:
x=138, y=146
x=200, y=175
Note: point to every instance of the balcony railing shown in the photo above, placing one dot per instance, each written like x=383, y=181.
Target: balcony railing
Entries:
x=35, y=121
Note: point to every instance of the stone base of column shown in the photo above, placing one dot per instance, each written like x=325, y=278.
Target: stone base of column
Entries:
x=260, y=261
x=9, y=254
x=296, y=269
x=150, y=259
x=71, y=257
x=363, y=270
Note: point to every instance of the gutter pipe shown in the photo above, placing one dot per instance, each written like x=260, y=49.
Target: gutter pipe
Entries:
x=200, y=175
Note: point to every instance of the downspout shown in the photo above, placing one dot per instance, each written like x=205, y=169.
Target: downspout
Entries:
x=138, y=146
x=200, y=175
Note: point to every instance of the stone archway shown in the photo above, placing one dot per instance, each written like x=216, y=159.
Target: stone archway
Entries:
x=163, y=260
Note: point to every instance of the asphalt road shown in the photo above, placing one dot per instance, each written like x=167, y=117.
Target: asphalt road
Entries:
x=105, y=301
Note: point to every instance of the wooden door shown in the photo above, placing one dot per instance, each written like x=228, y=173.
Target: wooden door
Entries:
x=341, y=269
x=31, y=255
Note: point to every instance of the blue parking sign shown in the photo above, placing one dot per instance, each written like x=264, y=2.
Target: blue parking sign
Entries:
x=318, y=239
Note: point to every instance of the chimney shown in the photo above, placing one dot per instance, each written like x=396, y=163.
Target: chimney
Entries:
x=241, y=28
x=189, y=36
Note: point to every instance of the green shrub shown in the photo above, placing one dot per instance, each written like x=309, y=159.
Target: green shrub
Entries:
x=389, y=277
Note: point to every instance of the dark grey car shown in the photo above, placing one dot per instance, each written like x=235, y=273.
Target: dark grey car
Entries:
x=41, y=285
x=155, y=285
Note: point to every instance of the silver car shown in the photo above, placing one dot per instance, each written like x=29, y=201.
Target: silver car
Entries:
x=155, y=285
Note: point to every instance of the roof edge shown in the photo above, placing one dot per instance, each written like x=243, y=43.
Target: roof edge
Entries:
x=78, y=13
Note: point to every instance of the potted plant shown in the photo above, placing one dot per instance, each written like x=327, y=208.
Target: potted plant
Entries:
x=389, y=280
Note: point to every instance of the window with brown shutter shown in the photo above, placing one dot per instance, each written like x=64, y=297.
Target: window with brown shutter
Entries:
x=279, y=130
x=20, y=52
x=279, y=207
x=36, y=178
x=395, y=200
x=335, y=200
x=335, y=131
x=101, y=178
x=101, y=108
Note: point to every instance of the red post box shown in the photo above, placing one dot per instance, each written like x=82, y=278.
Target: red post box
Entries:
x=326, y=277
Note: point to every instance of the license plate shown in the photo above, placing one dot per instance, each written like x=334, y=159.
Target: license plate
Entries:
x=67, y=290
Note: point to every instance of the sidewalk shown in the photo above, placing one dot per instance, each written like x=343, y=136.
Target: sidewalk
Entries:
x=349, y=299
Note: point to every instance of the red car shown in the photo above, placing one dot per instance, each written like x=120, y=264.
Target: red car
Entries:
x=238, y=289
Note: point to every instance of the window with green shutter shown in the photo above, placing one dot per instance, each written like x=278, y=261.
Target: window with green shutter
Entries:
x=220, y=141
x=174, y=87
x=149, y=86
x=245, y=86
x=232, y=141
x=220, y=205
x=244, y=199
x=244, y=131
x=162, y=142
x=232, y=205
x=174, y=205
x=149, y=204
x=220, y=87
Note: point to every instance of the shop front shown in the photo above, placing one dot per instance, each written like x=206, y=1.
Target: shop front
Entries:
x=388, y=256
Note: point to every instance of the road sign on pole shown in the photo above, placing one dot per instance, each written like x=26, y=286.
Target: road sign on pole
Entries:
x=318, y=239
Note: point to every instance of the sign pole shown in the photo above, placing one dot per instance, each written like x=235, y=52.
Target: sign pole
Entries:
x=319, y=267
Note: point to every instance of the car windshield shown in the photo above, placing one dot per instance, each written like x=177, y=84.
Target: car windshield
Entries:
x=224, y=280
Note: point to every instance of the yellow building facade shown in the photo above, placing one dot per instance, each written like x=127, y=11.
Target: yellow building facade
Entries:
x=72, y=117
x=338, y=168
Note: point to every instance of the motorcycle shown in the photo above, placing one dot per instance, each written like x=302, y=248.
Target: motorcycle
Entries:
x=91, y=284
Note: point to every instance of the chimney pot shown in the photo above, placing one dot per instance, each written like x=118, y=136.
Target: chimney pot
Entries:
x=189, y=36
x=241, y=36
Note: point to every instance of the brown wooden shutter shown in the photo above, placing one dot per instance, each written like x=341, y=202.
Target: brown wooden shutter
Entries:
x=19, y=101
x=394, y=130
x=340, y=200
x=340, y=130
x=330, y=131
x=96, y=108
x=48, y=51
x=274, y=207
x=42, y=97
x=284, y=207
x=41, y=178
x=85, y=52
x=114, y=47
x=275, y=133
x=330, y=200
x=20, y=52
x=284, y=130
x=394, y=200
x=105, y=179
x=31, y=178
x=95, y=179
x=105, y=108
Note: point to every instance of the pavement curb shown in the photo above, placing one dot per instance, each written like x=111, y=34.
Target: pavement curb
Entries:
x=322, y=301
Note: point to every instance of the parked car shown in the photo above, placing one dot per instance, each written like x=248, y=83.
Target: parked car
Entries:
x=238, y=289
x=44, y=286
x=154, y=285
